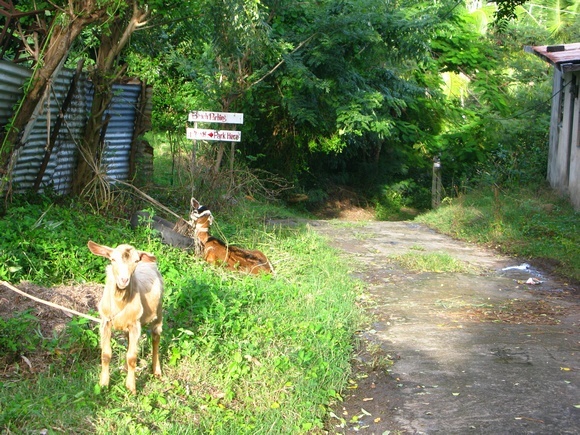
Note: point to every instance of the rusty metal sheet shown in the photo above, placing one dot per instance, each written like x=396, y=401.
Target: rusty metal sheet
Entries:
x=565, y=57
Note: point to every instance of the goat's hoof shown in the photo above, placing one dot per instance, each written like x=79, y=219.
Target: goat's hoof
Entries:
x=132, y=389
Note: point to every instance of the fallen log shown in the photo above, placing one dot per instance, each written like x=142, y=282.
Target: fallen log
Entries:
x=165, y=228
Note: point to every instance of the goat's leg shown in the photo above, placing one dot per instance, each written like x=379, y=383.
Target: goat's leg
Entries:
x=209, y=255
x=155, y=338
x=126, y=336
x=134, y=334
x=106, y=352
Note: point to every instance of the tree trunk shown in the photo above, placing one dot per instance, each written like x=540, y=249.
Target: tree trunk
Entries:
x=78, y=16
x=104, y=75
x=57, y=125
x=92, y=143
x=219, y=157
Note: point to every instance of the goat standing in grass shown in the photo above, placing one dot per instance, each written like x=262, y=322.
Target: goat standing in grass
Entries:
x=216, y=251
x=132, y=297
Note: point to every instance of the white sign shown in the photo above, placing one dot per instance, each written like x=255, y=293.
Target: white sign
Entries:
x=221, y=117
x=207, y=134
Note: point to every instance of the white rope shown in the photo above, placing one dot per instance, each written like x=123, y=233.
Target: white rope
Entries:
x=50, y=304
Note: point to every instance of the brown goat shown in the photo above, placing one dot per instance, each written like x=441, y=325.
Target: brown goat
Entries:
x=132, y=297
x=215, y=251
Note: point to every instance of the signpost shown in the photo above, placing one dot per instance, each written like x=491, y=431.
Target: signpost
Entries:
x=218, y=117
x=221, y=117
x=196, y=133
x=221, y=135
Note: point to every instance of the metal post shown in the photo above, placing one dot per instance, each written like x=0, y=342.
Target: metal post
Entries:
x=436, y=184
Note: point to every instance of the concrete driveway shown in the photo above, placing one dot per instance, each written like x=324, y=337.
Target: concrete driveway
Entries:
x=492, y=351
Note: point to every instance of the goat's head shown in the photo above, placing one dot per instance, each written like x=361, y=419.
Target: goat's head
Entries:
x=124, y=260
x=198, y=212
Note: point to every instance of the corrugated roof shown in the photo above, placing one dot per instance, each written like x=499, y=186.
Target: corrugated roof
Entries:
x=565, y=57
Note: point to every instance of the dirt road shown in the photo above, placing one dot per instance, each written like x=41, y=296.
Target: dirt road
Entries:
x=457, y=353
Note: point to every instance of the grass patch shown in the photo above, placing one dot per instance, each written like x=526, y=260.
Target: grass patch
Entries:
x=532, y=223
x=438, y=262
x=240, y=354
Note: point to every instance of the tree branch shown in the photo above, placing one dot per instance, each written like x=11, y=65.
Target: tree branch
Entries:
x=269, y=73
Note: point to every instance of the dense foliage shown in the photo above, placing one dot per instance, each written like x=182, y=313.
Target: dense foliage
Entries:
x=363, y=93
x=366, y=93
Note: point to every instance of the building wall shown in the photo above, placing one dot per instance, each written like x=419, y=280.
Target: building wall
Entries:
x=564, y=154
x=574, y=172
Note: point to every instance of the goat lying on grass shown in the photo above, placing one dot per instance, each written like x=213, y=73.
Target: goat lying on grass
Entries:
x=216, y=251
x=132, y=297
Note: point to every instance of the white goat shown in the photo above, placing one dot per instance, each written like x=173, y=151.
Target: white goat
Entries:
x=132, y=297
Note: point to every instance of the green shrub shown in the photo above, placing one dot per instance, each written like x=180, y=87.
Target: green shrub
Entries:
x=18, y=335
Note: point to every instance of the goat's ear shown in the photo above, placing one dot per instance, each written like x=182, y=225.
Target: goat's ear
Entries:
x=147, y=257
x=101, y=250
x=194, y=203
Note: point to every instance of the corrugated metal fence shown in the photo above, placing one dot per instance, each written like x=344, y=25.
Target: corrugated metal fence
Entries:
x=59, y=171
x=12, y=78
